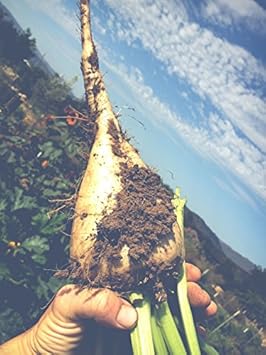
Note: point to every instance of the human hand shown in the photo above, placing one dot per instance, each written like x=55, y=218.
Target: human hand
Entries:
x=199, y=299
x=63, y=327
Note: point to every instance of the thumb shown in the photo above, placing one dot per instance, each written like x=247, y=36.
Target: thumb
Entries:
x=73, y=303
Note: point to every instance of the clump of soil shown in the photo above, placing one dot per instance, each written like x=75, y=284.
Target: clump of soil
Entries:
x=143, y=220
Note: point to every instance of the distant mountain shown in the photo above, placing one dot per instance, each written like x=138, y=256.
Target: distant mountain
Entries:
x=38, y=57
x=243, y=262
x=216, y=250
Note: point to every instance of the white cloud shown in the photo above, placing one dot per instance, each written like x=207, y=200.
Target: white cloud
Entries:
x=215, y=69
x=218, y=142
x=97, y=26
x=234, y=13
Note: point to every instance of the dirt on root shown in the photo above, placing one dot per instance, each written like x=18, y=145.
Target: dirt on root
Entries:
x=143, y=220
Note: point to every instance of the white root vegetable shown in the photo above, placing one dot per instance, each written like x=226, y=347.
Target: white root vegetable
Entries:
x=101, y=183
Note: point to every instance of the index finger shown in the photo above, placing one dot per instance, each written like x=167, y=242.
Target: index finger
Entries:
x=193, y=273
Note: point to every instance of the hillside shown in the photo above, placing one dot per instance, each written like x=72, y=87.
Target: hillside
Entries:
x=243, y=262
x=37, y=58
x=236, y=283
x=218, y=250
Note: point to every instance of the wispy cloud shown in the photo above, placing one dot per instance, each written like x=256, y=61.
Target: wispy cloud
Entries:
x=219, y=142
x=216, y=69
x=228, y=13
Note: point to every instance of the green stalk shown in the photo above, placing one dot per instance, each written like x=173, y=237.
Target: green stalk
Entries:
x=184, y=306
x=208, y=349
x=158, y=340
x=169, y=330
x=187, y=318
x=141, y=335
x=157, y=332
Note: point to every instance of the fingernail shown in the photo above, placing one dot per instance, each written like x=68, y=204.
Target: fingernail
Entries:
x=127, y=316
x=201, y=330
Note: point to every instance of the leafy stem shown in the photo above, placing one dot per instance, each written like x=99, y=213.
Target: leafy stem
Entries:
x=141, y=335
x=169, y=331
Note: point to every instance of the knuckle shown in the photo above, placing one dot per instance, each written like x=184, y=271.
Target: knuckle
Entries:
x=62, y=295
x=104, y=303
x=206, y=299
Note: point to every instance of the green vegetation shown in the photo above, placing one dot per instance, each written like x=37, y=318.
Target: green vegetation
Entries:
x=14, y=46
x=41, y=159
x=237, y=290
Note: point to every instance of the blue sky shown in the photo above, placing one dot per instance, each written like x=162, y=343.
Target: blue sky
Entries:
x=195, y=74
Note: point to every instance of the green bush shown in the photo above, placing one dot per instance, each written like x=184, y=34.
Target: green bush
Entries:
x=39, y=162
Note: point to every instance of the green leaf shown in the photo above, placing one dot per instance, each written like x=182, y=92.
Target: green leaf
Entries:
x=3, y=205
x=10, y=322
x=56, y=154
x=50, y=193
x=62, y=185
x=22, y=201
x=19, y=251
x=11, y=157
x=40, y=259
x=4, y=272
x=46, y=148
x=36, y=245
x=54, y=284
x=207, y=349
x=42, y=289
x=40, y=219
